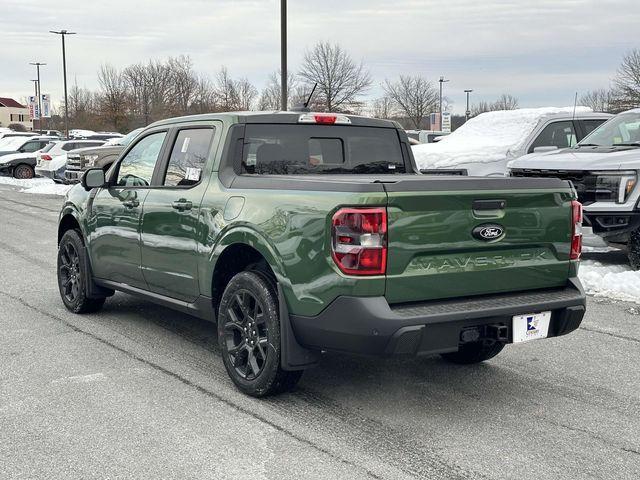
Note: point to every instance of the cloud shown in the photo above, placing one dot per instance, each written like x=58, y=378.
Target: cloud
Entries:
x=540, y=51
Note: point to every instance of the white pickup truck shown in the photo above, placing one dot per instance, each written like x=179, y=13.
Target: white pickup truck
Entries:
x=604, y=170
x=485, y=144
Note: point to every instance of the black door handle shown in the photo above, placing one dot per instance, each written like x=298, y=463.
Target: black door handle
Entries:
x=131, y=203
x=182, y=205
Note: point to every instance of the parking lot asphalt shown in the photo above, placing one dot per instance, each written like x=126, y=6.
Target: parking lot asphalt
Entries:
x=139, y=391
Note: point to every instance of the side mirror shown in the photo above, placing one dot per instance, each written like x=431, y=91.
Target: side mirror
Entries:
x=550, y=148
x=93, y=178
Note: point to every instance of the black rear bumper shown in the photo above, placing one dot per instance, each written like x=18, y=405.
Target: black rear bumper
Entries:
x=369, y=325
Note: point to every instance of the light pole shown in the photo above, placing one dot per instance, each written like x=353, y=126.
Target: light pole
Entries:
x=442, y=80
x=283, y=55
x=37, y=64
x=467, y=113
x=62, y=33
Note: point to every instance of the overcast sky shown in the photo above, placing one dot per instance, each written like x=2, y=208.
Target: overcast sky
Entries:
x=541, y=51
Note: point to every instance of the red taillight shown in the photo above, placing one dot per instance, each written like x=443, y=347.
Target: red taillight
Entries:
x=45, y=157
x=359, y=240
x=324, y=119
x=576, y=230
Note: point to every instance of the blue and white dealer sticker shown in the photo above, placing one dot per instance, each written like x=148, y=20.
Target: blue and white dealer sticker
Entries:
x=531, y=326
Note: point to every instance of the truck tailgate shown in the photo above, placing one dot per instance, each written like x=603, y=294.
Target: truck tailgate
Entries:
x=436, y=250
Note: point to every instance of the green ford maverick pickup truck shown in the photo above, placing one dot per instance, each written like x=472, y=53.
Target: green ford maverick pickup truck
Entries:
x=298, y=233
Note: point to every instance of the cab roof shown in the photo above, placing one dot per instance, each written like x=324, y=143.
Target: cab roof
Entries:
x=270, y=117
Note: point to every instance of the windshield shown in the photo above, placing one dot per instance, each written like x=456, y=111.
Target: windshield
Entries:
x=49, y=146
x=621, y=130
x=315, y=149
x=12, y=144
x=126, y=140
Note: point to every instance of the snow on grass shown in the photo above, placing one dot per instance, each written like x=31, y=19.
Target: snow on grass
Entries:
x=42, y=186
x=489, y=137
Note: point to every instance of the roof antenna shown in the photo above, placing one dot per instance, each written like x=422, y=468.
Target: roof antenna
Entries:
x=575, y=103
x=305, y=106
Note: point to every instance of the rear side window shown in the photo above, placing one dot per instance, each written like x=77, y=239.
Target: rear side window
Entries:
x=188, y=157
x=556, y=134
x=33, y=146
x=317, y=149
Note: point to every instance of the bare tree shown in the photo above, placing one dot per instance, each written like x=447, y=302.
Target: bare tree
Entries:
x=599, y=100
x=414, y=96
x=184, y=83
x=113, y=98
x=340, y=80
x=383, y=107
x=205, y=97
x=271, y=94
x=245, y=93
x=627, y=81
x=505, y=102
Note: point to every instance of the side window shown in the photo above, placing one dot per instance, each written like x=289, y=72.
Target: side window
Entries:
x=31, y=147
x=69, y=146
x=589, y=126
x=136, y=168
x=188, y=157
x=556, y=134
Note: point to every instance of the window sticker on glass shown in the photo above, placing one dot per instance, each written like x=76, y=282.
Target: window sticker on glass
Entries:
x=185, y=145
x=193, y=174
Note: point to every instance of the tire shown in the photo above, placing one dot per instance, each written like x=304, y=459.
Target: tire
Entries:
x=633, y=250
x=23, y=171
x=249, y=336
x=72, y=268
x=474, y=352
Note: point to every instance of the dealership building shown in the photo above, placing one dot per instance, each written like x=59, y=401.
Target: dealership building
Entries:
x=14, y=112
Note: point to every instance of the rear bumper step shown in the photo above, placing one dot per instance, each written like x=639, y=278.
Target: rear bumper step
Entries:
x=369, y=325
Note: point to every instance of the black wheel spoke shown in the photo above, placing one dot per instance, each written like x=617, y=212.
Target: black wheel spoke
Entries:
x=253, y=363
x=242, y=304
x=245, y=334
x=261, y=347
x=237, y=348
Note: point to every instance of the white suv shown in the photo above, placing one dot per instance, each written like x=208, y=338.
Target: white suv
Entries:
x=485, y=144
x=604, y=170
x=51, y=161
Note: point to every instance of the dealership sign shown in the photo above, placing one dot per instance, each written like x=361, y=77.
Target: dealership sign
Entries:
x=34, y=109
x=46, y=105
x=446, y=122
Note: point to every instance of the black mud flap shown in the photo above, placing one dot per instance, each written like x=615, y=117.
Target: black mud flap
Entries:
x=293, y=356
x=92, y=290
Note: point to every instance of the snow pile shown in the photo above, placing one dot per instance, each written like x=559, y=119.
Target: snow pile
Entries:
x=42, y=186
x=489, y=137
x=613, y=281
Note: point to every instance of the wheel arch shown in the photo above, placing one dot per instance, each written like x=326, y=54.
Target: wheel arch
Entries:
x=69, y=220
x=238, y=250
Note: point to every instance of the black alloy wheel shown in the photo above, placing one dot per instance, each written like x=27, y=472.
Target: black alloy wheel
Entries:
x=69, y=272
x=245, y=333
x=74, y=275
x=249, y=335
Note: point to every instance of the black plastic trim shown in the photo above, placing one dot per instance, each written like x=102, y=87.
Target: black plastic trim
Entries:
x=369, y=325
x=594, y=220
x=202, y=307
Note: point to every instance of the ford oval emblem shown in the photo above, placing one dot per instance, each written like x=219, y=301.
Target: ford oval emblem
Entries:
x=489, y=232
